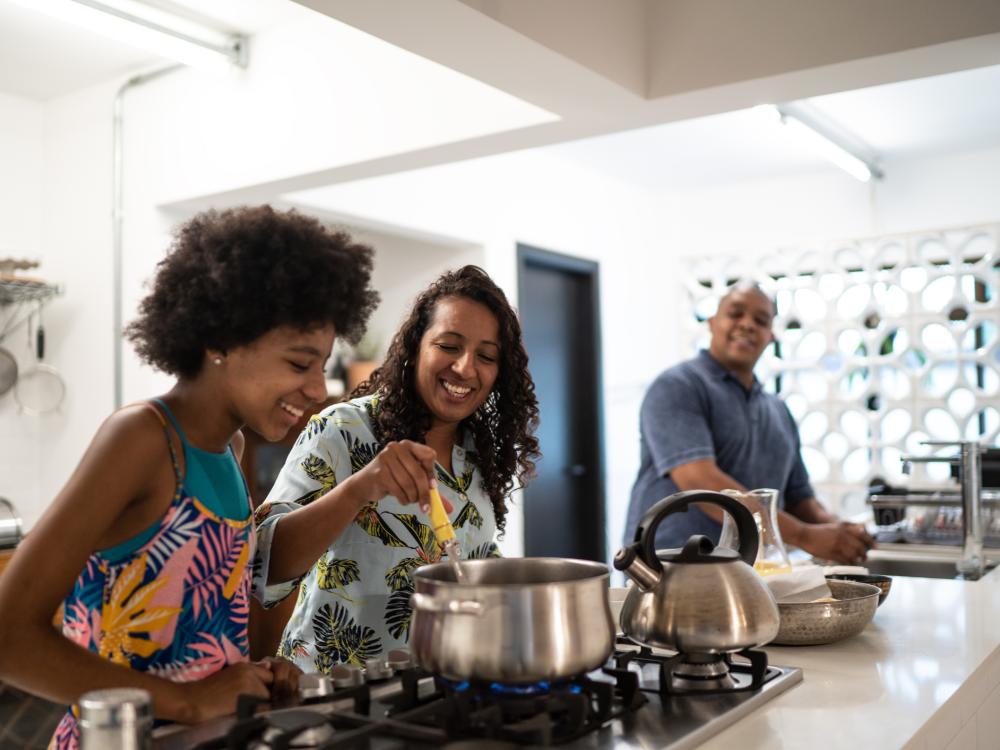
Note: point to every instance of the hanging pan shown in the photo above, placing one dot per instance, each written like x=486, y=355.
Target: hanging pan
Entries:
x=8, y=371
x=41, y=389
x=8, y=364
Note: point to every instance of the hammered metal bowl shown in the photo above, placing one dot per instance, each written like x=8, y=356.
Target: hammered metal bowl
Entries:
x=884, y=583
x=813, y=623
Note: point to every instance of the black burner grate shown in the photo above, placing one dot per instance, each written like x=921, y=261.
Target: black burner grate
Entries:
x=754, y=674
x=549, y=715
x=538, y=714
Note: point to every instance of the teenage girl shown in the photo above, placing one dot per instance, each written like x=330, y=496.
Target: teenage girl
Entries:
x=148, y=544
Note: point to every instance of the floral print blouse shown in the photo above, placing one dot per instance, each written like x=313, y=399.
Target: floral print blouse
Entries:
x=353, y=604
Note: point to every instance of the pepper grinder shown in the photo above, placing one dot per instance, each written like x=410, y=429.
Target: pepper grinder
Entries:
x=116, y=719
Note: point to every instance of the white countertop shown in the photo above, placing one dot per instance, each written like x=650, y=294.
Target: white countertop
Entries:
x=923, y=675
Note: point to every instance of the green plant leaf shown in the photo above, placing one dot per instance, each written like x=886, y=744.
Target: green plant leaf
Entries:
x=336, y=574
x=398, y=613
x=469, y=514
x=371, y=521
x=398, y=577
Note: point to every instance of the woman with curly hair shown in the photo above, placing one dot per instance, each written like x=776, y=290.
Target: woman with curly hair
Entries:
x=149, y=543
x=452, y=406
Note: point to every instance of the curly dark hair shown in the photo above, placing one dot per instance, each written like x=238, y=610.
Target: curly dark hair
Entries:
x=505, y=448
x=231, y=276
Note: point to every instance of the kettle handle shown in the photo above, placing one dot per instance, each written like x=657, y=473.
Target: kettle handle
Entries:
x=645, y=533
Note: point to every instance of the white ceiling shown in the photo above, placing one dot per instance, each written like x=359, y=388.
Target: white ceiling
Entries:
x=41, y=58
x=926, y=117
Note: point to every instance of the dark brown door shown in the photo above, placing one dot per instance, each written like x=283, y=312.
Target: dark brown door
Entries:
x=564, y=513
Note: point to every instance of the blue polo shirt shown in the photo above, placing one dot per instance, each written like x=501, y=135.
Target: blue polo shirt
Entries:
x=698, y=410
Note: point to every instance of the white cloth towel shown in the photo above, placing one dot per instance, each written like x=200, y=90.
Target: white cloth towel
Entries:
x=804, y=583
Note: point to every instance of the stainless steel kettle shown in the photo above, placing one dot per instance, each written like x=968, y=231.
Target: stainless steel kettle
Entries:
x=698, y=599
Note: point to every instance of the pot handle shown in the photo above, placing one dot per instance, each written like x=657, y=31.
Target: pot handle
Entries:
x=644, y=545
x=426, y=603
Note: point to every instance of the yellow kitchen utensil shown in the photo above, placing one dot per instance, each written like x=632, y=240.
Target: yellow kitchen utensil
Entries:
x=443, y=530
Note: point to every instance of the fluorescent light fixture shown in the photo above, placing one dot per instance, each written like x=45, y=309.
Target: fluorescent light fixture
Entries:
x=805, y=128
x=150, y=29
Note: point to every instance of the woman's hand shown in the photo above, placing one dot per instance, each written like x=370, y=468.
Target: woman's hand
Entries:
x=403, y=469
x=216, y=695
x=286, y=677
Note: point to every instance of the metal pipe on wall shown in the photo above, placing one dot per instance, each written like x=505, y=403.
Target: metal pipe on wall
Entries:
x=117, y=210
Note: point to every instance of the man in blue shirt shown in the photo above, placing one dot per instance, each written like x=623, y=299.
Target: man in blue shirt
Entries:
x=707, y=424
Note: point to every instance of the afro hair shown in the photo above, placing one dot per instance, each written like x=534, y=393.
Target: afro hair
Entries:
x=231, y=276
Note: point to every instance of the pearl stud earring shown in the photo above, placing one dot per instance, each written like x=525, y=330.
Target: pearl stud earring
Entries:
x=217, y=361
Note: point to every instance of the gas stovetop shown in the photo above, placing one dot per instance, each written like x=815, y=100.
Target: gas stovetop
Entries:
x=619, y=706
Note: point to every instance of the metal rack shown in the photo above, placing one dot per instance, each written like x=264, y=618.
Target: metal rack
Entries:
x=16, y=298
x=14, y=291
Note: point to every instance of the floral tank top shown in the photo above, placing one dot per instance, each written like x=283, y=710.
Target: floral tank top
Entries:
x=178, y=605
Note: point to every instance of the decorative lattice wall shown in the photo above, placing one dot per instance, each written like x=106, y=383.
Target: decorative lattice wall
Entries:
x=881, y=343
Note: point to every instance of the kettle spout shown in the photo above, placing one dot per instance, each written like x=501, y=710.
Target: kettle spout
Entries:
x=628, y=561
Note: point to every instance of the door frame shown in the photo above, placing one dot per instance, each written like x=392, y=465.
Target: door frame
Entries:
x=529, y=255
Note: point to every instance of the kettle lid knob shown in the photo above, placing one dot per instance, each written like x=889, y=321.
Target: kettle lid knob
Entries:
x=698, y=549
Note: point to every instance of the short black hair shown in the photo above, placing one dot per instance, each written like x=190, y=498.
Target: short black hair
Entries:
x=749, y=285
x=231, y=276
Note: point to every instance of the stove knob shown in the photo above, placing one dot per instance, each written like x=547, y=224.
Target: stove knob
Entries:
x=377, y=669
x=399, y=659
x=347, y=675
x=315, y=685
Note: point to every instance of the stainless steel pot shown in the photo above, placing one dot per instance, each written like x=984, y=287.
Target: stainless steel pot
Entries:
x=699, y=599
x=516, y=620
x=10, y=525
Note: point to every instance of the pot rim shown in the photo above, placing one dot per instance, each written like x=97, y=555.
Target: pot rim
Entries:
x=600, y=571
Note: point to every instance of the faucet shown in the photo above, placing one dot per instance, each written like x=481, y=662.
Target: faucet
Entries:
x=970, y=477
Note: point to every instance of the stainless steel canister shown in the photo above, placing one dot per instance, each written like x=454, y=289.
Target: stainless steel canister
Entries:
x=515, y=620
x=10, y=525
x=116, y=719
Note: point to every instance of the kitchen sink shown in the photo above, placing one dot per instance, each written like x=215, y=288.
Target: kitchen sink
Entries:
x=915, y=567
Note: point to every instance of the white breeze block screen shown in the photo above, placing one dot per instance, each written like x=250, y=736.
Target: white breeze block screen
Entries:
x=881, y=343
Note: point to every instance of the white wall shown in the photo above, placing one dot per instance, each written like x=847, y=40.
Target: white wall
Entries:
x=916, y=194
x=22, y=151
x=404, y=267
x=77, y=248
x=55, y=190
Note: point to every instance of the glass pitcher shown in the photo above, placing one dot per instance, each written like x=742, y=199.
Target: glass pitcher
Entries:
x=772, y=557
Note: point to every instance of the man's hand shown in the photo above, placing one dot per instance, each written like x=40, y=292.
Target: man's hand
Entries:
x=841, y=542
